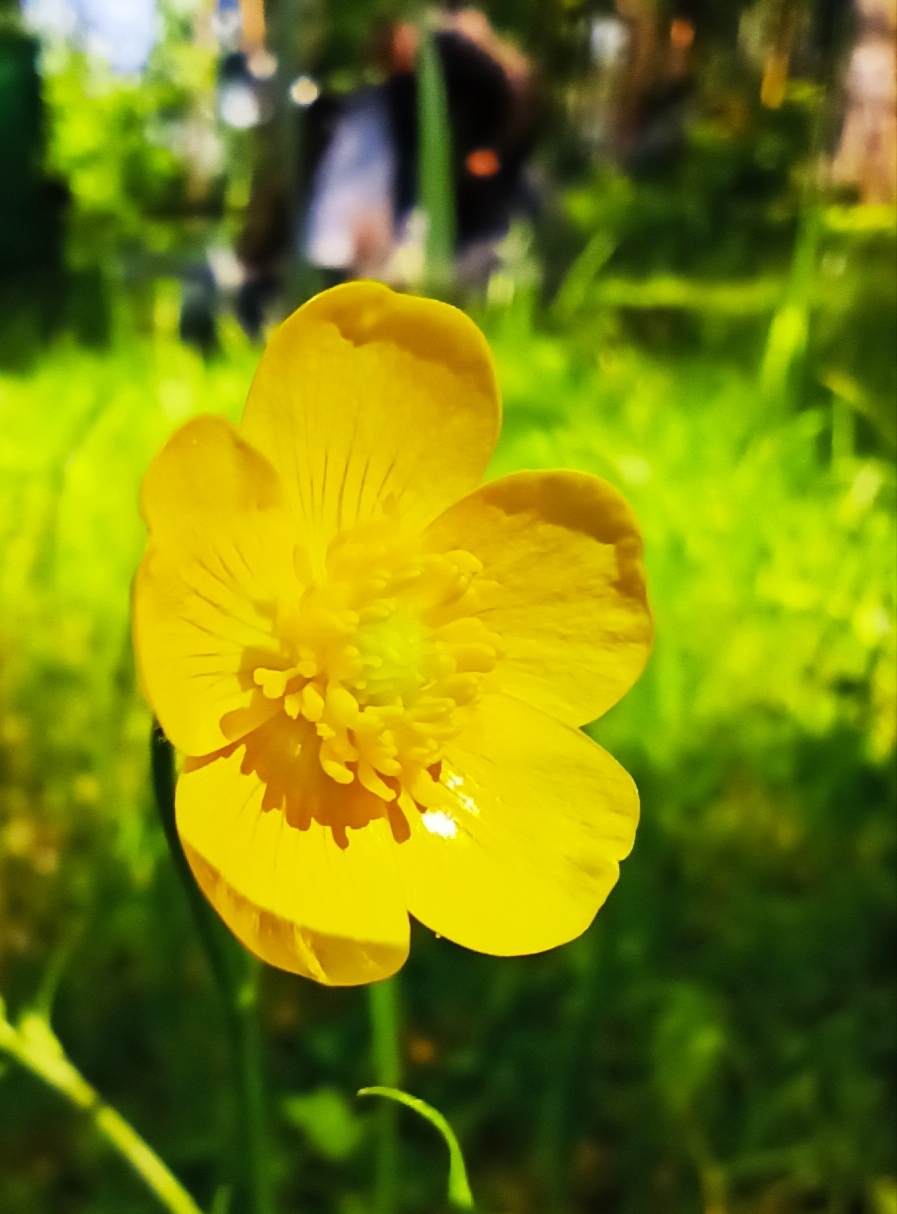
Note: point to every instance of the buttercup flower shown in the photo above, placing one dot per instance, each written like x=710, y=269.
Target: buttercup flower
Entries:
x=376, y=669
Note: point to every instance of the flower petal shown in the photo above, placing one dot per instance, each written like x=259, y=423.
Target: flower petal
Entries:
x=292, y=894
x=526, y=847
x=219, y=559
x=365, y=398
x=563, y=586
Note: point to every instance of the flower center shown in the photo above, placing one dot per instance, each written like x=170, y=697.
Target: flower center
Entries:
x=381, y=658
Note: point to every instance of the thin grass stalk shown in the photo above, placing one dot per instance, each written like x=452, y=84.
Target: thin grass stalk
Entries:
x=34, y=1046
x=553, y=1148
x=784, y=355
x=383, y=1006
x=435, y=189
x=235, y=975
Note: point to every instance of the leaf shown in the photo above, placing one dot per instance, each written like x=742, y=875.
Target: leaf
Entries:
x=459, y=1193
x=326, y=1119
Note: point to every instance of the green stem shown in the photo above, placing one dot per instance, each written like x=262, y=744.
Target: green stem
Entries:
x=236, y=977
x=253, y=1120
x=570, y=1048
x=786, y=347
x=436, y=189
x=383, y=1004
x=34, y=1046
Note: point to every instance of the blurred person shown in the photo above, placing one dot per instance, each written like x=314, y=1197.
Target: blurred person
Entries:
x=866, y=157
x=350, y=218
x=365, y=188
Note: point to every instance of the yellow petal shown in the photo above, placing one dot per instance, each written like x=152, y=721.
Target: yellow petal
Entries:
x=219, y=559
x=365, y=399
x=540, y=817
x=292, y=894
x=563, y=585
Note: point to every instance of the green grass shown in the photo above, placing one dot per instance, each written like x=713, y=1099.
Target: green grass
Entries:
x=722, y=1039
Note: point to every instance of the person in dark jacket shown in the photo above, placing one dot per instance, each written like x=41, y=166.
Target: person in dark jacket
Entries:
x=365, y=187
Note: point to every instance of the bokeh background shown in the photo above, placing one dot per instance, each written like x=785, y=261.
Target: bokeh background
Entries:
x=688, y=275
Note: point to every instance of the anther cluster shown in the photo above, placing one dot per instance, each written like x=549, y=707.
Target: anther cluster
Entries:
x=379, y=661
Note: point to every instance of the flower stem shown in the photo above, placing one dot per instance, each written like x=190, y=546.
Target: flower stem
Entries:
x=252, y=1130
x=236, y=976
x=570, y=1047
x=383, y=1005
x=34, y=1046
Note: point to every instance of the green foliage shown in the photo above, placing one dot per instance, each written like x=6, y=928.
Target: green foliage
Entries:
x=326, y=1118
x=723, y=1038
x=727, y=205
x=771, y=568
x=132, y=151
x=740, y=962
x=725, y=1028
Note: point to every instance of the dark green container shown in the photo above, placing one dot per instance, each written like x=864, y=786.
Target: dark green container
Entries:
x=30, y=207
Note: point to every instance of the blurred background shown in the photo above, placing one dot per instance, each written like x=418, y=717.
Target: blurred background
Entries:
x=675, y=221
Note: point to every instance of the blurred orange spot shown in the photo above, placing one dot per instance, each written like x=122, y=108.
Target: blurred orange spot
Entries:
x=421, y=1050
x=775, y=78
x=482, y=162
x=682, y=34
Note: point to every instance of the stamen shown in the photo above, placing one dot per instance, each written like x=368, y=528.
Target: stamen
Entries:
x=312, y=703
x=337, y=771
x=381, y=659
x=272, y=682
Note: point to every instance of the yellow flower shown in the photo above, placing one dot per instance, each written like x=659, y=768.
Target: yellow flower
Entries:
x=376, y=669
